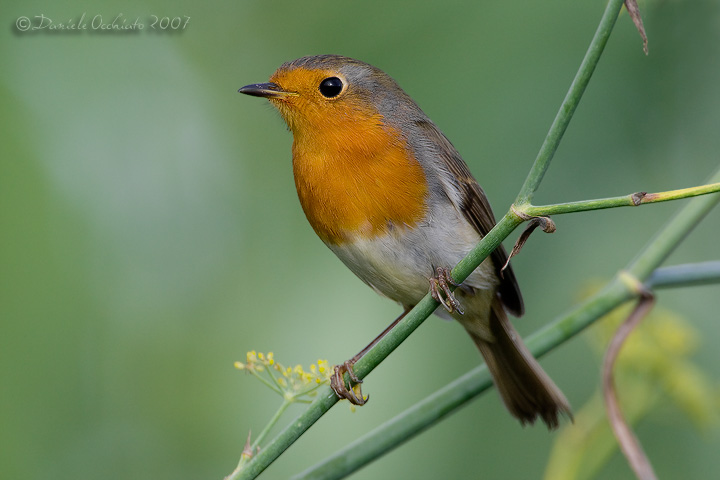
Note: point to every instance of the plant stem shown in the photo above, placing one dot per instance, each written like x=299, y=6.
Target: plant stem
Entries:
x=687, y=275
x=631, y=200
x=326, y=399
x=673, y=234
x=273, y=386
x=236, y=474
x=490, y=242
x=284, y=406
x=570, y=103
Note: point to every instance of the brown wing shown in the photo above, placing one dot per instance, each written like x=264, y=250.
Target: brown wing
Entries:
x=476, y=208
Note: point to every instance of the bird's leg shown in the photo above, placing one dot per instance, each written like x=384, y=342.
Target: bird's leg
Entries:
x=337, y=381
x=441, y=292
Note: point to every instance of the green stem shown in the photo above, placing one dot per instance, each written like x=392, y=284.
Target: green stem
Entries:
x=269, y=369
x=309, y=390
x=692, y=274
x=631, y=200
x=286, y=403
x=273, y=386
x=326, y=399
x=570, y=103
x=245, y=458
x=448, y=399
x=673, y=234
x=490, y=242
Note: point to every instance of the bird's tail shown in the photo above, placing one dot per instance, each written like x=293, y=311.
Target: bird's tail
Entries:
x=526, y=390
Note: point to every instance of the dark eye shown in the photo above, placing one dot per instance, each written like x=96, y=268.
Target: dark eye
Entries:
x=331, y=87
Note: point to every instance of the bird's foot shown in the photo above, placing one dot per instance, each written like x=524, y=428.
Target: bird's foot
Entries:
x=337, y=383
x=441, y=291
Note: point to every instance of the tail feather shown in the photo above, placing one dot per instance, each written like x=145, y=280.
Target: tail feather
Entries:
x=526, y=390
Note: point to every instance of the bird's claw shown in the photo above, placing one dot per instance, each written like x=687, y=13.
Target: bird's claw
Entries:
x=337, y=383
x=441, y=292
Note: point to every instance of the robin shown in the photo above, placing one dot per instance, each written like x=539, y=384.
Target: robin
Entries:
x=388, y=193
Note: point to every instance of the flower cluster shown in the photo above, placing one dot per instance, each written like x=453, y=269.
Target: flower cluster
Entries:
x=291, y=382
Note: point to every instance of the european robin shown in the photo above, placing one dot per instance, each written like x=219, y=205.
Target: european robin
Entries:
x=388, y=193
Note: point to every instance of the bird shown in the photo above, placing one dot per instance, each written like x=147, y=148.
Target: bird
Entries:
x=388, y=193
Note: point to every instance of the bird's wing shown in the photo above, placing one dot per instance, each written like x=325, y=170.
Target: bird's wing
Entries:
x=476, y=208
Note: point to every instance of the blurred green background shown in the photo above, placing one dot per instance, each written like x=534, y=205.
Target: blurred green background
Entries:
x=150, y=233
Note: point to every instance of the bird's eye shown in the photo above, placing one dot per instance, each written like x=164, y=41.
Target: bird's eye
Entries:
x=331, y=87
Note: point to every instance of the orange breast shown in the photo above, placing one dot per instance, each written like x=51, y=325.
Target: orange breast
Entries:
x=357, y=179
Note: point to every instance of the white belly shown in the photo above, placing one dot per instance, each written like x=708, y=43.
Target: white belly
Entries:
x=400, y=263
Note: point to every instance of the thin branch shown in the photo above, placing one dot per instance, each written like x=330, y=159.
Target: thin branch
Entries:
x=570, y=103
x=273, y=386
x=278, y=413
x=632, y=200
x=674, y=232
x=687, y=275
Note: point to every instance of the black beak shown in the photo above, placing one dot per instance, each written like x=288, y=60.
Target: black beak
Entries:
x=267, y=90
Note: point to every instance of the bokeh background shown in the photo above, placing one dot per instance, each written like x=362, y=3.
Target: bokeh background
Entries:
x=150, y=233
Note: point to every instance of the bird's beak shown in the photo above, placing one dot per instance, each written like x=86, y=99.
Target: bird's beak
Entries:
x=267, y=90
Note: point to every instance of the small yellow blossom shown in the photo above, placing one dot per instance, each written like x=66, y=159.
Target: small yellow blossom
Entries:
x=293, y=383
x=322, y=366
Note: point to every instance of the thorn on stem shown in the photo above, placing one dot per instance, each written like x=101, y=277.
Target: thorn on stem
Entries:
x=247, y=450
